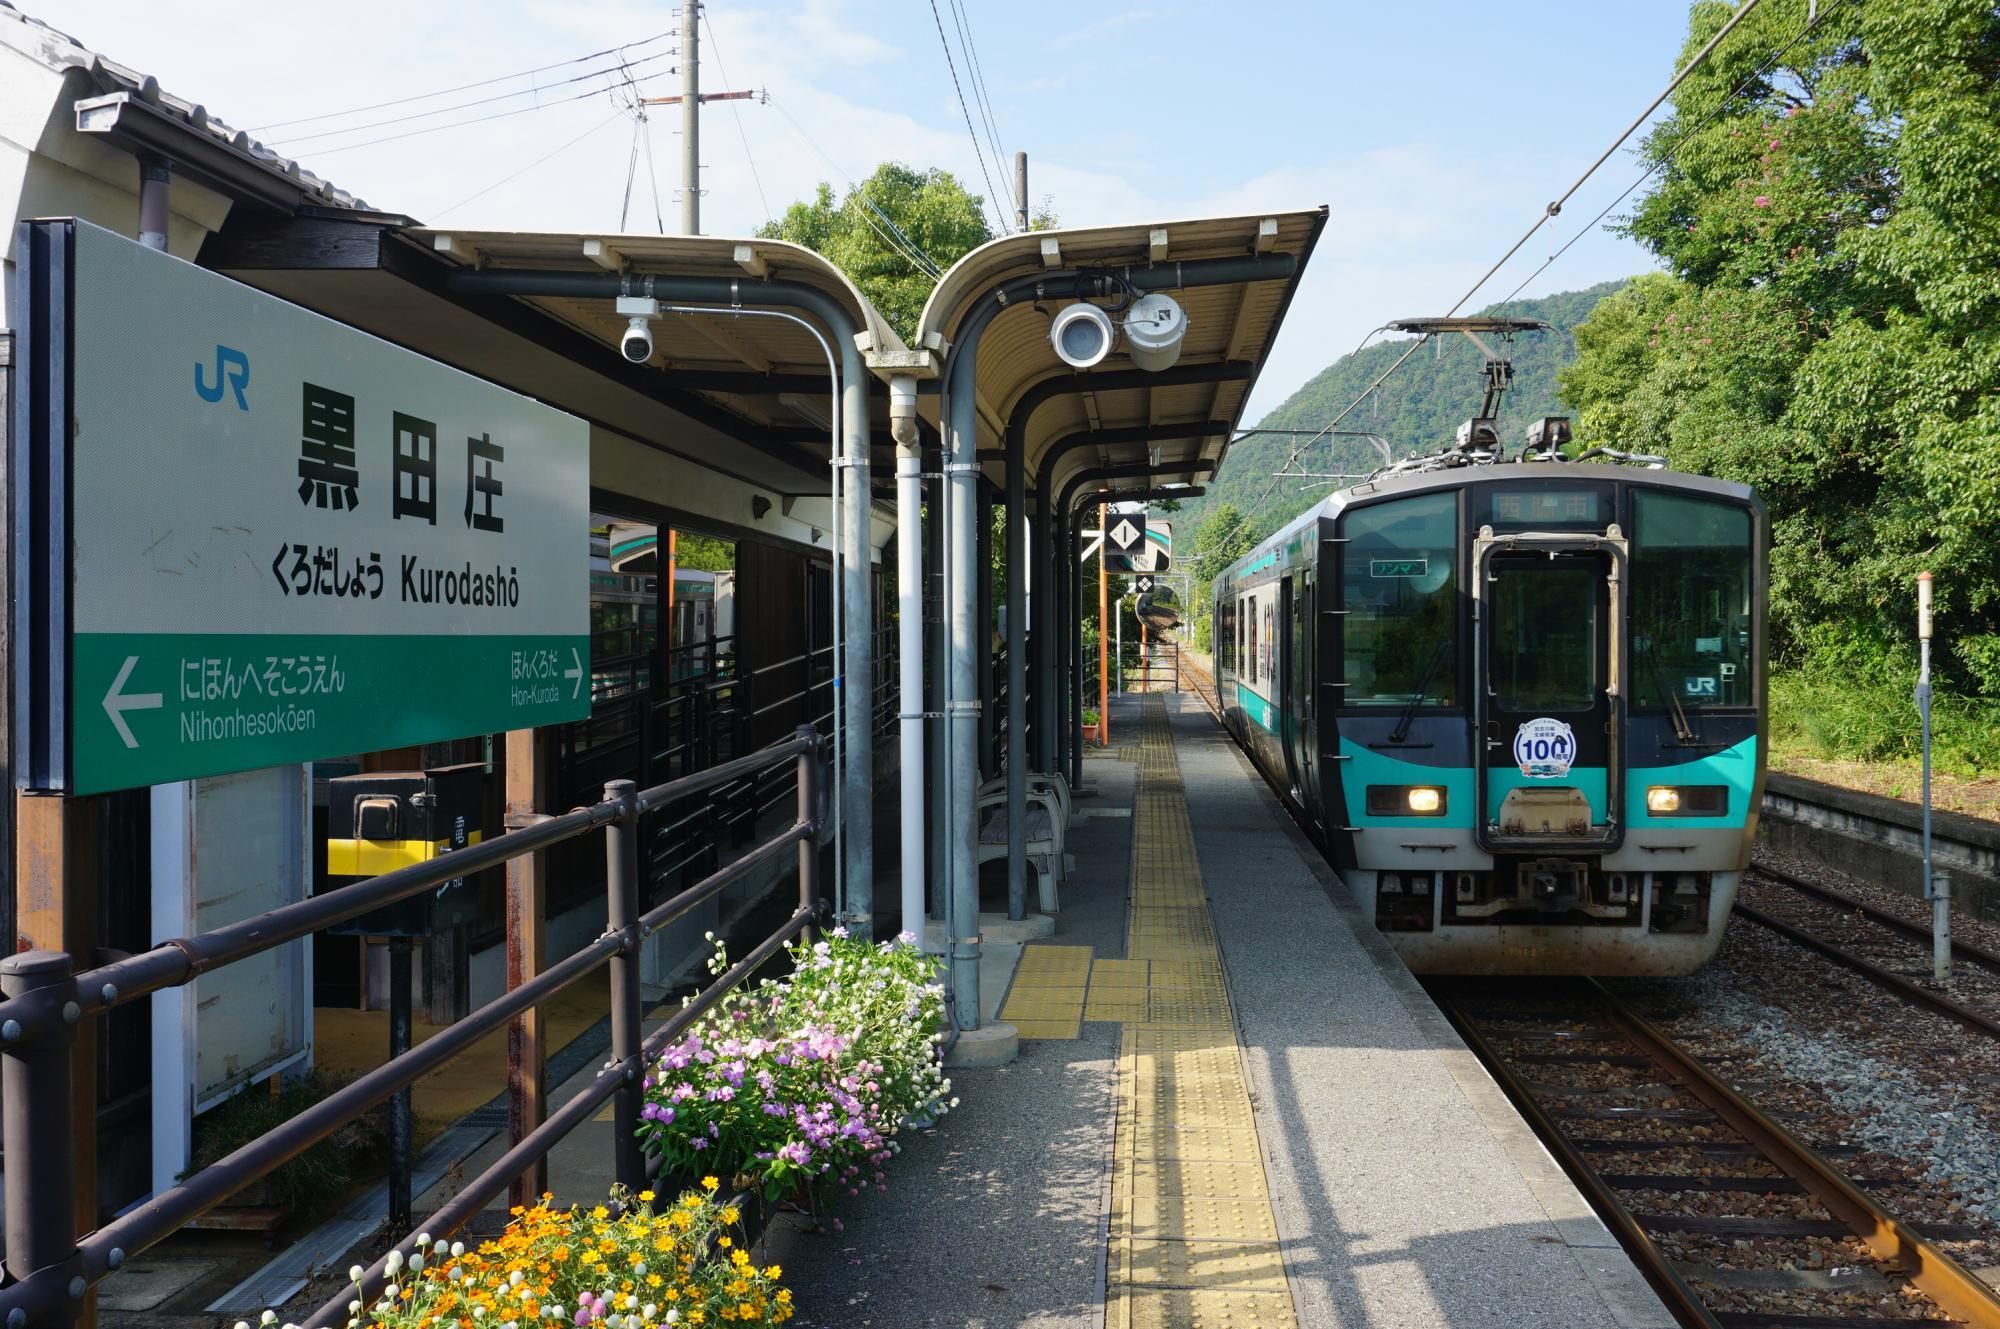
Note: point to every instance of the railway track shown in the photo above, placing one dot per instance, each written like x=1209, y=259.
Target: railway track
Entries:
x=1735, y=1222
x=1202, y=684
x=1890, y=951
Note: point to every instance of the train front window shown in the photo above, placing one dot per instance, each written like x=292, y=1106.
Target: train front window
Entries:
x=1399, y=587
x=1691, y=628
x=1544, y=641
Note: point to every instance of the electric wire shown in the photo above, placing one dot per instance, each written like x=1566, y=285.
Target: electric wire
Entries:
x=510, y=178
x=462, y=87
x=624, y=67
x=993, y=199
x=478, y=119
x=899, y=242
x=1548, y=212
x=715, y=49
x=1667, y=158
x=964, y=22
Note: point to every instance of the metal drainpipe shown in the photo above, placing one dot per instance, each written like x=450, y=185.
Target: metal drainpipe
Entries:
x=962, y=599
x=910, y=642
x=1017, y=687
x=961, y=470
x=938, y=745
x=155, y=184
x=857, y=609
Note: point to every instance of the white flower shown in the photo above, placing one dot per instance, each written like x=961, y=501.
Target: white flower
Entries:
x=354, y=1308
x=354, y=1273
x=395, y=1263
x=640, y=1271
x=514, y=1279
x=268, y=1317
x=243, y=1324
x=457, y=1249
x=391, y=1292
x=416, y=1264
x=423, y=1239
x=553, y=1311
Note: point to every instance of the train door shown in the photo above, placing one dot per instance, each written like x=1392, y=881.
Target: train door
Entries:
x=1285, y=693
x=1549, y=697
x=1306, y=655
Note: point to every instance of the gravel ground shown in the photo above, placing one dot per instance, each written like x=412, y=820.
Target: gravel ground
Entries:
x=1844, y=1063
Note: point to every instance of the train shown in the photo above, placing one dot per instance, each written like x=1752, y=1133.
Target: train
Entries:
x=1519, y=704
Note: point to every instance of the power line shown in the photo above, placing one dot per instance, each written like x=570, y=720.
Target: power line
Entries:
x=894, y=237
x=965, y=42
x=478, y=119
x=624, y=68
x=977, y=151
x=715, y=49
x=508, y=179
x=1667, y=158
x=462, y=87
x=1541, y=221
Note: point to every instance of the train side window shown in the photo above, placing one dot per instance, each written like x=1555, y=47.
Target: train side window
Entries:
x=1250, y=643
x=1399, y=586
x=1691, y=607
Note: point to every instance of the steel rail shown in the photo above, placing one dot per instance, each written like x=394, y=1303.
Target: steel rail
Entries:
x=1891, y=1241
x=1653, y=1265
x=1915, y=993
x=1970, y=952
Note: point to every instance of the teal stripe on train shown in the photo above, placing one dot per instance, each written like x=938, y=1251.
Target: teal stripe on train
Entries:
x=1257, y=708
x=1734, y=768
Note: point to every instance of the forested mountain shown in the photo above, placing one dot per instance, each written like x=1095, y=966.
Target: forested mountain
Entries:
x=1419, y=408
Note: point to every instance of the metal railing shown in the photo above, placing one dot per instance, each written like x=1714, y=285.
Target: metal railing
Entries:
x=49, y=1272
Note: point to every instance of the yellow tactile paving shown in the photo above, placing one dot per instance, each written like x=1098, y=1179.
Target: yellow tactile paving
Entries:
x=1193, y=1238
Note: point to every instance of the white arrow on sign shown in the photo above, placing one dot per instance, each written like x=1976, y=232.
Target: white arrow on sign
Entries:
x=117, y=701
x=1123, y=534
x=575, y=672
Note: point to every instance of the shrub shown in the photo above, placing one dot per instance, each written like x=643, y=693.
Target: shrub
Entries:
x=643, y=1268
x=801, y=1085
x=318, y=1178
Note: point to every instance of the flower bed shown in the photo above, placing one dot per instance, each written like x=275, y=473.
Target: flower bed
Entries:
x=645, y=1268
x=798, y=1088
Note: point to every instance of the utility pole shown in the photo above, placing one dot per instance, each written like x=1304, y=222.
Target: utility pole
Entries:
x=1021, y=189
x=690, y=117
x=689, y=99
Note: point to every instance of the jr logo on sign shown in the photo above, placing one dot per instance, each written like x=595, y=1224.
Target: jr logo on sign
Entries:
x=1544, y=749
x=232, y=371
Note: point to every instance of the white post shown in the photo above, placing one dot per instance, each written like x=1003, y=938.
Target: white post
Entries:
x=1937, y=887
x=910, y=642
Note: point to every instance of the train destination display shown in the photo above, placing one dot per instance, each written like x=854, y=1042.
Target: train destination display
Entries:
x=292, y=540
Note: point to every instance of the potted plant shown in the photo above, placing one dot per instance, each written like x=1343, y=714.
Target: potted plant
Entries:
x=1093, y=726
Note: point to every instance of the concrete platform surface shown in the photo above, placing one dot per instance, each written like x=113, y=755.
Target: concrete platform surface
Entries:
x=1400, y=1186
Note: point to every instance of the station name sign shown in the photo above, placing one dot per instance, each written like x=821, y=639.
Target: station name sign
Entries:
x=257, y=536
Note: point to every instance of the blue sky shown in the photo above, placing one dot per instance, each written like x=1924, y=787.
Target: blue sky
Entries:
x=1435, y=129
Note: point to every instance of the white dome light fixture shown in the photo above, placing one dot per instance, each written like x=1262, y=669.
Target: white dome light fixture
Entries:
x=1155, y=326
x=1082, y=335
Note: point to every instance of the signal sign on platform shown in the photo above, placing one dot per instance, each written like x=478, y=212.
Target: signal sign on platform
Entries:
x=1144, y=584
x=257, y=536
x=1149, y=549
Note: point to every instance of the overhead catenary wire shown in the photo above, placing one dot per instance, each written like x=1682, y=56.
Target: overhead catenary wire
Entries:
x=1673, y=150
x=1548, y=212
x=610, y=71
x=992, y=198
x=462, y=87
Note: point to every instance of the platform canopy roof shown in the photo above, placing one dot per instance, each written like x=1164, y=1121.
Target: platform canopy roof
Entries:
x=769, y=371
x=1228, y=325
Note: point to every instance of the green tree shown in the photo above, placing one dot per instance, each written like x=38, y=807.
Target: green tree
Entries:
x=1828, y=327
x=869, y=234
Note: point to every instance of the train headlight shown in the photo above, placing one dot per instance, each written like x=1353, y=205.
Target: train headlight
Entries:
x=1406, y=800
x=1687, y=800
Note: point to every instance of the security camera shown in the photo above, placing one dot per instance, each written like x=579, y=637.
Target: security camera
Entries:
x=637, y=343
x=1082, y=335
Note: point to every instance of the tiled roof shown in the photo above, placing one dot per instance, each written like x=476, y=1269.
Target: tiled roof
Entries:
x=59, y=51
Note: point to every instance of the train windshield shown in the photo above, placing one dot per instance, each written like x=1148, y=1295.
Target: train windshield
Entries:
x=1399, y=586
x=1691, y=610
